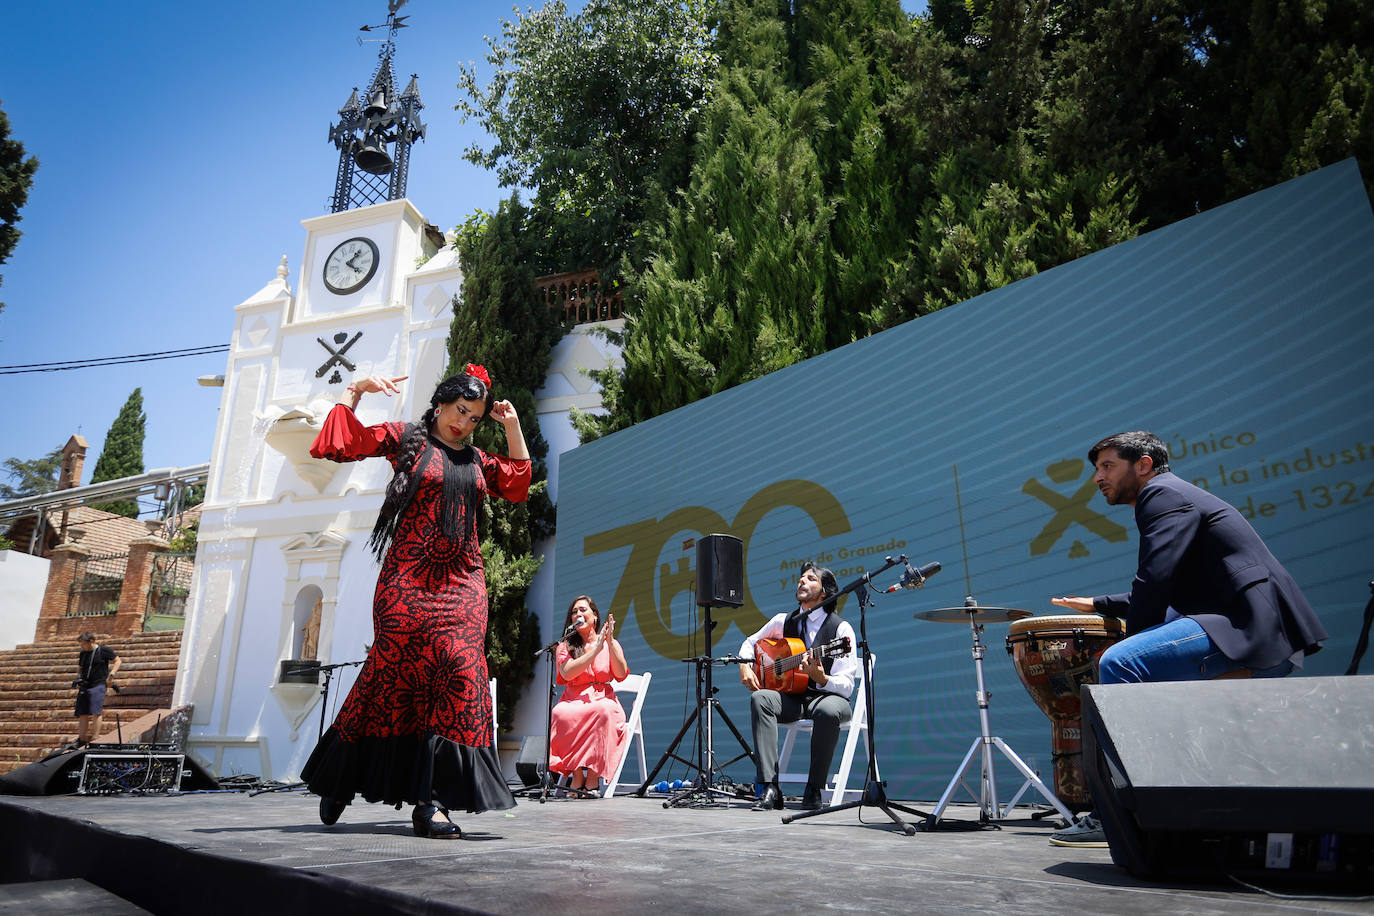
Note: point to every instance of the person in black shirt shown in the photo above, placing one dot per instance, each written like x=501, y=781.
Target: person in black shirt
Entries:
x=96, y=665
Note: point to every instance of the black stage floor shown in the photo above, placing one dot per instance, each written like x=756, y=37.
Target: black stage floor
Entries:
x=233, y=852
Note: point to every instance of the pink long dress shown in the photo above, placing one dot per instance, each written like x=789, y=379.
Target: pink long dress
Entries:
x=588, y=721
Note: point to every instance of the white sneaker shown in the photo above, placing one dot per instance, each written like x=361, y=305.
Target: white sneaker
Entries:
x=1084, y=833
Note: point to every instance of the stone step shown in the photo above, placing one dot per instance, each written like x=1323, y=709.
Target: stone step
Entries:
x=68, y=702
x=28, y=719
x=69, y=659
x=37, y=699
x=143, y=639
x=10, y=682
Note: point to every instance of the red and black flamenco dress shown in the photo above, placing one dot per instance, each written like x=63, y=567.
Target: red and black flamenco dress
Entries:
x=417, y=727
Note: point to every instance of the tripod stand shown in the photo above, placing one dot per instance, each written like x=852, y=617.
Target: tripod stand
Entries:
x=702, y=790
x=874, y=794
x=988, y=807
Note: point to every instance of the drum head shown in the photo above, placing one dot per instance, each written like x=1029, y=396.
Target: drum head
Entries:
x=1066, y=625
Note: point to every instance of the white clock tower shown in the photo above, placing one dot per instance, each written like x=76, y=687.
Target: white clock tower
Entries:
x=283, y=581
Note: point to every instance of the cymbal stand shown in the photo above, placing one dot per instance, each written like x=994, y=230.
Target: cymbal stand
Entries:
x=874, y=793
x=703, y=790
x=988, y=807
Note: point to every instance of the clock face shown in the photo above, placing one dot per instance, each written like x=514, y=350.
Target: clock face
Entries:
x=350, y=265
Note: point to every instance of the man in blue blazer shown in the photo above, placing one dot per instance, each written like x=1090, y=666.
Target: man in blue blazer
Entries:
x=1208, y=597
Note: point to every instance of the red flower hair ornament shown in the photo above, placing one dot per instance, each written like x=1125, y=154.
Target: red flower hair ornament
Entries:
x=479, y=373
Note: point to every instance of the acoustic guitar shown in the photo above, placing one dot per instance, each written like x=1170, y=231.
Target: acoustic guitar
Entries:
x=778, y=661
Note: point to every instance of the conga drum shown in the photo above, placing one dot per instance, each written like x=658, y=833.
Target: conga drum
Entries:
x=1054, y=656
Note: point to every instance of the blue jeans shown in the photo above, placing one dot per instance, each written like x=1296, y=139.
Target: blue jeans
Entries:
x=1177, y=650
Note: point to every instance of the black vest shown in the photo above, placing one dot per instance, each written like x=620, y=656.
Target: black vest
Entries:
x=792, y=629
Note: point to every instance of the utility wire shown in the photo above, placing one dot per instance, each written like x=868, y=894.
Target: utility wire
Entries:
x=63, y=365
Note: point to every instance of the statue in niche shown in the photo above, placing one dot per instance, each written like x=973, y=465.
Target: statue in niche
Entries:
x=310, y=640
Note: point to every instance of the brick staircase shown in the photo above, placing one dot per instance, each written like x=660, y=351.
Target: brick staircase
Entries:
x=37, y=699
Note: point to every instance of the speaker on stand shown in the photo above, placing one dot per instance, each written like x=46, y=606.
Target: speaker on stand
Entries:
x=719, y=583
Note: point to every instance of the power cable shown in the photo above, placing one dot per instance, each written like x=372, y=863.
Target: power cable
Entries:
x=64, y=365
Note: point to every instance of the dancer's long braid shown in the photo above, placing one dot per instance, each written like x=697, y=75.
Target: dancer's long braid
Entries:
x=460, y=474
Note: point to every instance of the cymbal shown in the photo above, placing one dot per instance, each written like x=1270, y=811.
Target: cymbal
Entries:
x=978, y=613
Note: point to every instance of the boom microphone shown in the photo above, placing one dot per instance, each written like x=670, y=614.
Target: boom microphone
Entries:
x=915, y=578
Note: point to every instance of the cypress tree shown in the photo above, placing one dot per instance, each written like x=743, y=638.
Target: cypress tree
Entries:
x=122, y=455
x=501, y=323
x=735, y=284
x=1293, y=84
x=16, y=177
x=995, y=208
x=843, y=51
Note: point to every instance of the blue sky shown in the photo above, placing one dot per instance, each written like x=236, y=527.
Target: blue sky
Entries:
x=180, y=145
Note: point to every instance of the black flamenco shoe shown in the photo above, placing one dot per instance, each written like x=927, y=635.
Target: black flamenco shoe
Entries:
x=330, y=810
x=422, y=819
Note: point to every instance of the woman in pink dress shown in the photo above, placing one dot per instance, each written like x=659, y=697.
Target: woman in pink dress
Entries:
x=588, y=736
x=416, y=727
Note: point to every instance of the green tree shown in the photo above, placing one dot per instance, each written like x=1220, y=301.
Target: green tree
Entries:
x=842, y=51
x=31, y=478
x=1293, y=87
x=995, y=205
x=735, y=284
x=500, y=323
x=122, y=455
x=16, y=177
x=590, y=111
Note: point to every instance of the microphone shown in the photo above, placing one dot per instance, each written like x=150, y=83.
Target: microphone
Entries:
x=915, y=578
x=572, y=628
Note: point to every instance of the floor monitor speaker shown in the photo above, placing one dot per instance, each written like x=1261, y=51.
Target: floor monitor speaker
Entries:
x=720, y=571
x=1260, y=778
x=529, y=766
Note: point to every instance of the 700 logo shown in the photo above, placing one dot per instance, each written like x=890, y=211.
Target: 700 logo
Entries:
x=635, y=595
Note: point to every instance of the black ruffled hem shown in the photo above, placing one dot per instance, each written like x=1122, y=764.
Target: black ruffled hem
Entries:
x=408, y=769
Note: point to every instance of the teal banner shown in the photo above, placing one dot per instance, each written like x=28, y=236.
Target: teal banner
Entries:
x=1243, y=337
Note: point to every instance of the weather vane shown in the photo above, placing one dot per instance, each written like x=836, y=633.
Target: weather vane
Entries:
x=393, y=22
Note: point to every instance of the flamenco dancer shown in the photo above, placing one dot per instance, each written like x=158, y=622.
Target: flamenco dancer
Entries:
x=416, y=728
x=588, y=734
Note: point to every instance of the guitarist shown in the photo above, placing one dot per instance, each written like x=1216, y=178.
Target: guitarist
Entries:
x=826, y=698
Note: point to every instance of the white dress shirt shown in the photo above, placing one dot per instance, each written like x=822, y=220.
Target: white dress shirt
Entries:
x=844, y=669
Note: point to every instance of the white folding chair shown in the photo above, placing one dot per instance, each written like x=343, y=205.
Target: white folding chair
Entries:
x=858, y=723
x=637, y=684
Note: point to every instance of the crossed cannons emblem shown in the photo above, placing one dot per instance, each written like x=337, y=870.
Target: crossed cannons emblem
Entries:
x=336, y=357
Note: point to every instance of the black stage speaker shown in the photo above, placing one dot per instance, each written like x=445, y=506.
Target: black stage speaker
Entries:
x=720, y=571
x=1270, y=778
x=529, y=766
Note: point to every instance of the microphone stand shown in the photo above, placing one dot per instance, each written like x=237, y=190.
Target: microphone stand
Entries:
x=324, y=689
x=324, y=711
x=546, y=779
x=874, y=794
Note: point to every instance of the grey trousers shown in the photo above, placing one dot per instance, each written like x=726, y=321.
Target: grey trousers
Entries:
x=827, y=712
